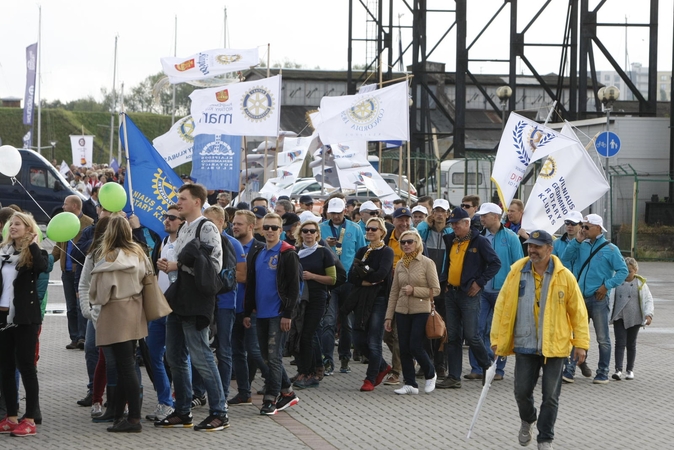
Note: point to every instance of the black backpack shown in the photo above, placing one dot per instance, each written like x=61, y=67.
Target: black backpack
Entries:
x=228, y=272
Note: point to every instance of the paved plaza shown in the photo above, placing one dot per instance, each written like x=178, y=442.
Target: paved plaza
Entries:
x=623, y=414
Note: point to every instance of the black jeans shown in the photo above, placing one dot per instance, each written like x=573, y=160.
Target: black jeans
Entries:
x=17, y=350
x=411, y=338
x=77, y=324
x=625, y=338
x=128, y=384
x=313, y=314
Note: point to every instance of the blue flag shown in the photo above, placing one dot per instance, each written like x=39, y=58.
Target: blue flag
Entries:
x=155, y=185
x=114, y=165
x=216, y=161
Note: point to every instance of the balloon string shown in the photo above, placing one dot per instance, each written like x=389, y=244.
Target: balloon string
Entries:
x=14, y=180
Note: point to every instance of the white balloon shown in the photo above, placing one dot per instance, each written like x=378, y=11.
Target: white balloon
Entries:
x=10, y=160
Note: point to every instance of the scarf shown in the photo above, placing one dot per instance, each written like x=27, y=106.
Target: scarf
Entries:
x=458, y=241
x=408, y=257
x=306, y=251
x=370, y=248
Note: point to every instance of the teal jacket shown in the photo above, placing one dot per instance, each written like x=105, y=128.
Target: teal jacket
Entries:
x=43, y=284
x=508, y=249
x=352, y=241
x=607, y=267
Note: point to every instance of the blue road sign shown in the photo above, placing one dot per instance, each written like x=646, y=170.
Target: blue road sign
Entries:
x=607, y=144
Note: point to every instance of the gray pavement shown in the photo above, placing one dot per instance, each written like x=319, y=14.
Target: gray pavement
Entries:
x=625, y=414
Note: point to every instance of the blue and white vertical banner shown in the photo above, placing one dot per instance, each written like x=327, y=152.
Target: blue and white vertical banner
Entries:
x=29, y=97
x=216, y=161
x=28, y=139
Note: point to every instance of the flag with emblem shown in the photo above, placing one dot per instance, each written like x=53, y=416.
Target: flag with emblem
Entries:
x=208, y=64
x=217, y=161
x=252, y=108
x=382, y=114
x=569, y=181
x=149, y=181
x=176, y=145
x=523, y=141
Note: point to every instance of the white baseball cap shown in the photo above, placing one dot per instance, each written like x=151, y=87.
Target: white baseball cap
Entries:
x=336, y=205
x=308, y=215
x=575, y=217
x=595, y=219
x=368, y=206
x=487, y=208
x=441, y=203
x=420, y=208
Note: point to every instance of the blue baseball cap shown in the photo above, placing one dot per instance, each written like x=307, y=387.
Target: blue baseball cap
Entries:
x=457, y=215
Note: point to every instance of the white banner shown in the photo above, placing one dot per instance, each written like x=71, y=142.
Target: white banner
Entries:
x=569, y=181
x=295, y=149
x=252, y=108
x=64, y=169
x=83, y=150
x=379, y=115
x=354, y=149
x=523, y=141
x=209, y=64
x=176, y=145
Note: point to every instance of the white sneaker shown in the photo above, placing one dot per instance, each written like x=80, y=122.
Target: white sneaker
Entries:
x=629, y=375
x=618, y=375
x=526, y=433
x=430, y=384
x=407, y=389
x=96, y=410
x=545, y=446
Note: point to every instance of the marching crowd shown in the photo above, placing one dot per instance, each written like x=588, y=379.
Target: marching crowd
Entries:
x=299, y=279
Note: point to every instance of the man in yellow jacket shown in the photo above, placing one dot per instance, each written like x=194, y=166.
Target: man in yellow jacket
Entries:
x=539, y=316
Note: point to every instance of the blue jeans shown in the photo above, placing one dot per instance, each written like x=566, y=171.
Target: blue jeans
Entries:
x=369, y=341
x=272, y=340
x=240, y=357
x=225, y=321
x=597, y=310
x=77, y=324
x=527, y=368
x=411, y=338
x=487, y=302
x=156, y=346
x=329, y=325
x=461, y=313
x=183, y=339
x=90, y=353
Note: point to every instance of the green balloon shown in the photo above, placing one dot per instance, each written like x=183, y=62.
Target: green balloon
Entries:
x=63, y=227
x=5, y=231
x=112, y=197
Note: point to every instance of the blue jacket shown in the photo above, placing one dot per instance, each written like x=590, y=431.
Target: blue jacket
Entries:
x=559, y=246
x=508, y=249
x=480, y=264
x=353, y=240
x=607, y=267
x=423, y=230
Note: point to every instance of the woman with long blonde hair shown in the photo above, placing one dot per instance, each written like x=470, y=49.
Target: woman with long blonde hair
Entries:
x=21, y=261
x=117, y=285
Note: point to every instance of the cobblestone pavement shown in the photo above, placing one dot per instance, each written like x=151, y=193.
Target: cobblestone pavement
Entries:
x=622, y=414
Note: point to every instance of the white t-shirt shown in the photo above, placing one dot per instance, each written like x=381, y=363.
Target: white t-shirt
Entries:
x=9, y=274
x=163, y=279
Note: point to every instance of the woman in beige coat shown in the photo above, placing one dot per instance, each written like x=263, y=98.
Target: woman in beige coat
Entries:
x=117, y=285
x=415, y=283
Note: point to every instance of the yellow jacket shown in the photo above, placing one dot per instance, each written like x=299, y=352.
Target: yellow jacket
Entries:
x=565, y=319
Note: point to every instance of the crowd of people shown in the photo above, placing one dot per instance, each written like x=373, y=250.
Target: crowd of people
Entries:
x=304, y=278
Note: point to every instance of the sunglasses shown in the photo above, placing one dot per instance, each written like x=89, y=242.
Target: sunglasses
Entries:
x=585, y=227
x=373, y=229
x=466, y=205
x=170, y=217
x=271, y=227
x=372, y=213
x=570, y=222
x=309, y=230
x=407, y=242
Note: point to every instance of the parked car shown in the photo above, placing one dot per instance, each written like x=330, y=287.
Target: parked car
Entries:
x=392, y=180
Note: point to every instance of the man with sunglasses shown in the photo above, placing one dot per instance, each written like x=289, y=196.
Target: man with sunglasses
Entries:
x=275, y=265
x=470, y=203
x=572, y=225
x=599, y=267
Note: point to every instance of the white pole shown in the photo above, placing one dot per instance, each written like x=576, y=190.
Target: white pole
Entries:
x=113, y=106
x=175, y=53
x=119, y=140
x=128, y=164
x=39, y=81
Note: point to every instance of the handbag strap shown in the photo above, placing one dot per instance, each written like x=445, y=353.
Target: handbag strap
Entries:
x=603, y=244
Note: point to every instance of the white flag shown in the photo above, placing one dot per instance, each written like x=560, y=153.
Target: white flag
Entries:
x=523, y=141
x=64, y=169
x=209, y=64
x=82, y=150
x=296, y=149
x=176, y=145
x=379, y=115
x=569, y=181
x=252, y=108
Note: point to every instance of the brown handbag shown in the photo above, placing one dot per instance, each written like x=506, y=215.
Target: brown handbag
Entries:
x=154, y=302
x=435, y=326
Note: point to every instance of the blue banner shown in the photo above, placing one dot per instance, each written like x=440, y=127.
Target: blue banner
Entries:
x=29, y=97
x=28, y=139
x=155, y=185
x=216, y=161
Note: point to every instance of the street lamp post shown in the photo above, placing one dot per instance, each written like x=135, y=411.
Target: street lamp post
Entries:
x=53, y=147
x=607, y=96
x=503, y=93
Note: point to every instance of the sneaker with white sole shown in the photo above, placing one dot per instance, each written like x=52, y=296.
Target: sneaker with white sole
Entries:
x=545, y=446
x=198, y=402
x=285, y=401
x=7, y=426
x=161, y=412
x=175, y=420
x=407, y=390
x=430, y=384
x=629, y=375
x=24, y=428
x=618, y=375
x=96, y=410
x=526, y=433
x=214, y=422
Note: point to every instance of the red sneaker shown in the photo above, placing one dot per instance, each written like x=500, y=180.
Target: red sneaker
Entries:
x=6, y=426
x=24, y=429
x=367, y=386
x=382, y=375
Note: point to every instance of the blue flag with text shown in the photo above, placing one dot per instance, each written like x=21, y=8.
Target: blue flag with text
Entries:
x=216, y=161
x=149, y=180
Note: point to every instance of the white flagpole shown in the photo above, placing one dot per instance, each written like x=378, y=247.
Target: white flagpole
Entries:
x=128, y=162
x=175, y=54
x=39, y=81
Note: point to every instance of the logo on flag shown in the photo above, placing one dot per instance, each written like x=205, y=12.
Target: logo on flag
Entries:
x=365, y=112
x=361, y=175
x=527, y=143
x=187, y=65
x=217, y=161
x=257, y=104
x=294, y=155
x=286, y=174
x=222, y=96
x=186, y=128
x=549, y=169
x=165, y=192
x=227, y=59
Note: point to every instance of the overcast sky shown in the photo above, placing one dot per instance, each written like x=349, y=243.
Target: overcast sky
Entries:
x=78, y=36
